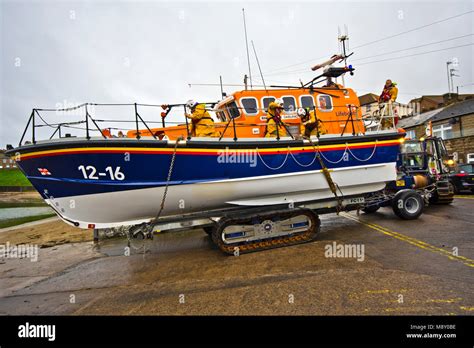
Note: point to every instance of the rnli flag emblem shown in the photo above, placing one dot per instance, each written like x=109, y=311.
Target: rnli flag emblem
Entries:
x=44, y=171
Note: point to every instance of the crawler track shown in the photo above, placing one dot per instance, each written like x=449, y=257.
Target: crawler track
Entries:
x=249, y=233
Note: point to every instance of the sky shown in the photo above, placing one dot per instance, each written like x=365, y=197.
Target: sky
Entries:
x=61, y=53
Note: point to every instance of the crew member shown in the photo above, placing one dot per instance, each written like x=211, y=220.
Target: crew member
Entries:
x=202, y=124
x=310, y=125
x=275, y=125
x=389, y=93
x=389, y=112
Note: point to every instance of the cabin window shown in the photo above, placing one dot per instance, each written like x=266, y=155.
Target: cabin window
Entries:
x=250, y=105
x=307, y=101
x=266, y=101
x=221, y=116
x=233, y=110
x=324, y=102
x=289, y=103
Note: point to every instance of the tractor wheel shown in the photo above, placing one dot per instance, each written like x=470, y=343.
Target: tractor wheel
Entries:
x=408, y=204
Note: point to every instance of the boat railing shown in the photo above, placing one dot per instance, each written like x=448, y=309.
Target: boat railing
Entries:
x=89, y=124
x=383, y=116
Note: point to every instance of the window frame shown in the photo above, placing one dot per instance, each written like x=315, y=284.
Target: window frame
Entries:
x=294, y=99
x=245, y=110
x=265, y=109
x=443, y=127
x=306, y=95
x=319, y=105
x=227, y=112
x=410, y=131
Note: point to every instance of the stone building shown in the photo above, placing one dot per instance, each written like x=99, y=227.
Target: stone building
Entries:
x=6, y=162
x=454, y=123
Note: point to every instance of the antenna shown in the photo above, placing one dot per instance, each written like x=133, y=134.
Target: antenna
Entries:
x=258, y=63
x=222, y=90
x=342, y=38
x=247, y=46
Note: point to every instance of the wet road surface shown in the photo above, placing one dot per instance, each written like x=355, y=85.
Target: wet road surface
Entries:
x=424, y=266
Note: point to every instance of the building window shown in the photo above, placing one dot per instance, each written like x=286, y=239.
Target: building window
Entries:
x=444, y=131
x=368, y=107
x=266, y=101
x=250, y=105
x=307, y=101
x=411, y=134
x=289, y=103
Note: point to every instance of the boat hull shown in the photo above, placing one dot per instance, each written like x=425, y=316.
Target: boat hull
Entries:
x=122, y=183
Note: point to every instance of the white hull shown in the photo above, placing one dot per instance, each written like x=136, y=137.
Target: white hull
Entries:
x=136, y=206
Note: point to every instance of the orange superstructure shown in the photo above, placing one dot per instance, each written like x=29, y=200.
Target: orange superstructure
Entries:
x=337, y=107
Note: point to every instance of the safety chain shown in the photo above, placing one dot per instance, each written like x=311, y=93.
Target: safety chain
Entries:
x=168, y=179
x=147, y=229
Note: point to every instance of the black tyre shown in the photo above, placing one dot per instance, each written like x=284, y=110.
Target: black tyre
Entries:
x=408, y=204
x=436, y=198
x=454, y=188
x=209, y=230
x=371, y=209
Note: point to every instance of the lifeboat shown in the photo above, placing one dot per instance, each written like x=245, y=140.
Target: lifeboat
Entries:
x=154, y=173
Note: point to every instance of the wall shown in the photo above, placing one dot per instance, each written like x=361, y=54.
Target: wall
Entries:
x=463, y=132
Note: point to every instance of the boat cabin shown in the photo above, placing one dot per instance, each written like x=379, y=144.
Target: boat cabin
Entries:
x=243, y=113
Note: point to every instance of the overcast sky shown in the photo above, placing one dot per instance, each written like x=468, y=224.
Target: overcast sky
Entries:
x=56, y=53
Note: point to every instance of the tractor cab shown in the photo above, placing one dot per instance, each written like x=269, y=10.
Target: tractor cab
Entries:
x=425, y=155
x=412, y=157
x=425, y=163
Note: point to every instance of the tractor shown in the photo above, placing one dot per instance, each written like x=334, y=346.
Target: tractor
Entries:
x=423, y=168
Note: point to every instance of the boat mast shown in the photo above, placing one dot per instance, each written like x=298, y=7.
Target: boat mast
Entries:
x=247, y=47
x=342, y=42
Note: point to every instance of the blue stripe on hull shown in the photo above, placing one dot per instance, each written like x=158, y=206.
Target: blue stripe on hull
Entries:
x=151, y=170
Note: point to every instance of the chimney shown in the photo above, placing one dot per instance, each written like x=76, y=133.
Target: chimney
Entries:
x=449, y=98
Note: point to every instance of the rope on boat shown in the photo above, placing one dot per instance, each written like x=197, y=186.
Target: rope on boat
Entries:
x=334, y=162
x=305, y=165
x=368, y=158
x=318, y=152
x=276, y=168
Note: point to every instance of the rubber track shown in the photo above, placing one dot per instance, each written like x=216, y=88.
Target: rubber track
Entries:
x=270, y=243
